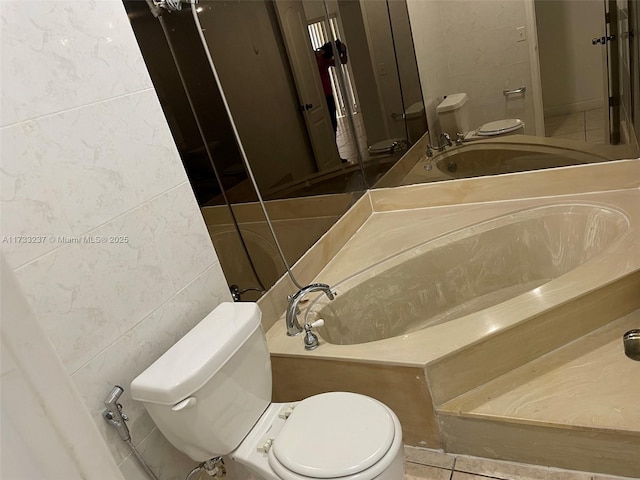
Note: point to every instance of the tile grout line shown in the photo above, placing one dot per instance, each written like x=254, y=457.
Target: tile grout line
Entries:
x=491, y=474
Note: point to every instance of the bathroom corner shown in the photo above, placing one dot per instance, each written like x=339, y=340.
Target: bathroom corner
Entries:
x=107, y=260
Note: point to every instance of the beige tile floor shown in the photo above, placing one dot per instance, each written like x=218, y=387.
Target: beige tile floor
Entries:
x=587, y=127
x=423, y=464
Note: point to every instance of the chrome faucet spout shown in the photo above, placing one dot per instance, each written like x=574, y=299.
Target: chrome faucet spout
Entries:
x=445, y=140
x=293, y=326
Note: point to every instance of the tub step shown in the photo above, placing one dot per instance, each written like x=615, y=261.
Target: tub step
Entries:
x=577, y=407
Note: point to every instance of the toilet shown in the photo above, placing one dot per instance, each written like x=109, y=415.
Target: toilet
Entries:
x=389, y=146
x=416, y=126
x=454, y=118
x=210, y=395
x=416, y=121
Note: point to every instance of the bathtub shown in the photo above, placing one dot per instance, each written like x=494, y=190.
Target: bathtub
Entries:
x=493, y=157
x=466, y=271
x=433, y=302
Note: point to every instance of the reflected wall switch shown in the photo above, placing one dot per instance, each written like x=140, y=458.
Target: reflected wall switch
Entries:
x=521, y=34
x=382, y=69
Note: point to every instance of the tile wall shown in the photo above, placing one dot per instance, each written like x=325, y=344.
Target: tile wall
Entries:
x=474, y=47
x=86, y=156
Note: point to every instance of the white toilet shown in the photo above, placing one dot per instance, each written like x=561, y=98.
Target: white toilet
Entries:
x=416, y=125
x=454, y=118
x=210, y=395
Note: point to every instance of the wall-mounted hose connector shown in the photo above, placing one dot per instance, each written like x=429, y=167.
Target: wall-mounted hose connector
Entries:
x=113, y=413
x=236, y=293
x=115, y=417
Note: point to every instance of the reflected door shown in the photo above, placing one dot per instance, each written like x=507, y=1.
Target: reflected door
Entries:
x=293, y=24
x=621, y=49
x=608, y=41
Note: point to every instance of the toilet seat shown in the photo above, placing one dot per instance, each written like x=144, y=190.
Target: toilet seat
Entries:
x=387, y=146
x=333, y=435
x=500, y=127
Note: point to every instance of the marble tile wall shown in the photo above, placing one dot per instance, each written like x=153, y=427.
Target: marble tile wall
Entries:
x=86, y=156
x=428, y=44
x=39, y=402
x=473, y=47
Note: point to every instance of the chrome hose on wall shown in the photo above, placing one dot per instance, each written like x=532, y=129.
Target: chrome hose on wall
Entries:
x=157, y=9
x=115, y=417
x=239, y=143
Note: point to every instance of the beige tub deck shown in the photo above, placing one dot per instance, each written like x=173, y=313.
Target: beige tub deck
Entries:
x=395, y=231
x=461, y=385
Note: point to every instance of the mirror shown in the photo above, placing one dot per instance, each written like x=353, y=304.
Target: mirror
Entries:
x=397, y=52
x=538, y=62
x=267, y=56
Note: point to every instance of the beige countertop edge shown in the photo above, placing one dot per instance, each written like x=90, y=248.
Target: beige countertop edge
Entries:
x=542, y=423
x=571, y=180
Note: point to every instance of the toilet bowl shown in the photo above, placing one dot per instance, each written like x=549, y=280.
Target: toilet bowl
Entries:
x=510, y=126
x=388, y=147
x=344, y=435
x=416, y=125
x=454, y=119
x=210, y=395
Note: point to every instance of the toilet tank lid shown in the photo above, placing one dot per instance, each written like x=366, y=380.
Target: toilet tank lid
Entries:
x=453, y=101
x=195, y=358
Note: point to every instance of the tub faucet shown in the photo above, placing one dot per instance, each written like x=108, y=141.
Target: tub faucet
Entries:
x=429, y=151
x=444, y=142
x=293, y=326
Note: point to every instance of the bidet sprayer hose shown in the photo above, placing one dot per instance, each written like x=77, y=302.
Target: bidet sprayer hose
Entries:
x=199, y=468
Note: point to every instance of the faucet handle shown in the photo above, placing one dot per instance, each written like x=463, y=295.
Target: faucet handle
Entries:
x=316, y=324
x=311, y=341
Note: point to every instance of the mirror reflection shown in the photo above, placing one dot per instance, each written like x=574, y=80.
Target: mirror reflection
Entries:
x=266, y=54
x=554, y=69
x=504, y=86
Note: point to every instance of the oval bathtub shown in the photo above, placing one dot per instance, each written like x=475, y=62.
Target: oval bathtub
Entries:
x=518, y=153
x=486, y=159
x=466, y=271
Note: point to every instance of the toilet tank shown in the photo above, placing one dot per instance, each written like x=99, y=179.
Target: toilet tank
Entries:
x=453, y=113
x=416, y=121
x=209, y=389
